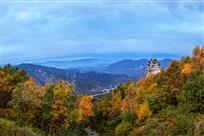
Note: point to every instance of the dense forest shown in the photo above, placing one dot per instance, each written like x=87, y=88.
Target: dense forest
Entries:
x=170, y=103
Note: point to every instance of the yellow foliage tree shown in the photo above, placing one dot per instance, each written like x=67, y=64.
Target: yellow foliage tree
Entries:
x=59, y=109
x=145, y=87
x=116, y=104
x=202, y=52
x=131, y=90
x=187, y=69
x=26, y=99
x=128, y=105
x=137, y=93
x=129, y=102
x=103, y=105
x=143, y=111
x=85, y=108
x=198, y=58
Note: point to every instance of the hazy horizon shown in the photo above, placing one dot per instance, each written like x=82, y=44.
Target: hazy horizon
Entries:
x=40, y=30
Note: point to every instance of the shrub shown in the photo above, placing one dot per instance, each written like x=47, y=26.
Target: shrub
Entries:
x=9, y=128
x=73, y=132
x=193, y=92
x=9, y=78
x=199, y=126
x=123, y=129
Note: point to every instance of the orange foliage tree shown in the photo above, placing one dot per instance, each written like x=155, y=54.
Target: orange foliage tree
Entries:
x=143, y=111
x=85, y=108
x=187, y=69
x=198, y=57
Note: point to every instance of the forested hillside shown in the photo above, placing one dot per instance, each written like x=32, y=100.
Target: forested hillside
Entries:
x=168, y=103
x=89, y=80
x=85, y=82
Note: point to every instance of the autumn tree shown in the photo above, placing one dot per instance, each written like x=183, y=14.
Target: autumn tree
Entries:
x=55, y=107
x=193, y=92
x=202, y=52
x=175, y=79
x=198, y=58
x=187, y=69
x=26, y=100
x=143, y=111
x=85, y=108
x=123, y=129
x=103, y=106
x=9, y=78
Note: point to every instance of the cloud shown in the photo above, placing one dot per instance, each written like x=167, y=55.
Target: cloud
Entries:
x=42, y=30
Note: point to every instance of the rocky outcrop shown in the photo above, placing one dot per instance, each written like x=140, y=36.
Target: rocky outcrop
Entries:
x=153, y=67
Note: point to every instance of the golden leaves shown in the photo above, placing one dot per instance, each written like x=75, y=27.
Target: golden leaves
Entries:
x=143, y=111
x=198, y=57
x=59, y=110
x=116, y=103
x=85, y=107
x=187, y=69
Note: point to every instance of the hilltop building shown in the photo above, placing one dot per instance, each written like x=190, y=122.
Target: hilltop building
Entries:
x=153, y=67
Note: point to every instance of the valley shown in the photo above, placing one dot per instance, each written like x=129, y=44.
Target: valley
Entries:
x=87, y=80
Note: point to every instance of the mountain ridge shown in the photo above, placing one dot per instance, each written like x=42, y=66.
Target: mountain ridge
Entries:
x=91, y=80
x=135, y=69
x=84, y=82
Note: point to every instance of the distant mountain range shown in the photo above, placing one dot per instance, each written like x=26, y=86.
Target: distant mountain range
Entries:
x=97, y=61
x=134, y=69
x=86, y=83
x=90, y=80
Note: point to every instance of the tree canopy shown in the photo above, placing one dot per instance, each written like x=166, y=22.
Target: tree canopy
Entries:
x=168, y=103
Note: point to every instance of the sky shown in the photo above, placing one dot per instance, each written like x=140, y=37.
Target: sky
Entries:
x=37, y=29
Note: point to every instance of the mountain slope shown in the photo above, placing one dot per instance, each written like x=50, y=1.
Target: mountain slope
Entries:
x=84, y=82
x=92, y=81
